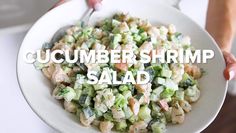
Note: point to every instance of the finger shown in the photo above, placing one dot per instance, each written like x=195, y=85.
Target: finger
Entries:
x=58, y=4
x=230, y=71
x=96, y=4
x=229, y=58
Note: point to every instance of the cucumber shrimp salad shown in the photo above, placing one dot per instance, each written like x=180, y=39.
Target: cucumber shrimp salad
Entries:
x=124, y=108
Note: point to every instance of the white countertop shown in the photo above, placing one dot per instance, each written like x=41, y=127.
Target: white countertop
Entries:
x=15, y=114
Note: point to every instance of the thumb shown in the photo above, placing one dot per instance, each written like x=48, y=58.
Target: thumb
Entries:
x=229, y=58
x=230, y=71
x=94, y=4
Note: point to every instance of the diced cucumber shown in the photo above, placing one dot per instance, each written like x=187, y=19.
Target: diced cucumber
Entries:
x=99, y=86
x=123, y=88
x=151, y=72
x=155, y=109
x=69, y=39
x=78, y=94
x=117, y=113
x=115, y=41
x=115, y=23
x=179, y=95
x=137, y=38
x=158, y=90
x=127, y=94
x=133, y=118
x=84, y=100
x=166, y=73
x=155, y=95
x=108, y=116
x=167, y=93
x=80, y=80
x=158, y=127
x=66, y=69
x=159, y=81
x=68, y=93
x=168, y=114
x=115, y=91
x=134, y=29
x=88, y=112
x=128, y=112
x=88, y=90
x=144, y=113
x=191, y=91
x=186, y=81
x=144, y=36
x=127, y=37
x=87, y=31
x=120, y=101
x=98, y=113
x=121, y=126
x=78, y=111
x=38, y=65
x=77, y=34
x=139, y=96
x=171, y=84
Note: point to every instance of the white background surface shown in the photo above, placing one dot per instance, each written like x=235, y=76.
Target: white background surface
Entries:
x=15, y=114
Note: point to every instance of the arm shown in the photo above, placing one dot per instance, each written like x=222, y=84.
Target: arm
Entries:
x=221, y=24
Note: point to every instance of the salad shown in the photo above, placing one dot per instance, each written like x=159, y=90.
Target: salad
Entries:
x=130, y=108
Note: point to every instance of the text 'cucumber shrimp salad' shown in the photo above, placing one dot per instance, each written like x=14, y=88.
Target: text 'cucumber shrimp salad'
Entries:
x=133, y=108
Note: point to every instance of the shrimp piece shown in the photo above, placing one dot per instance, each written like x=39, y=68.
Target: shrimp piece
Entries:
x=193, y=70
x=49, y=71
x=124, y=27
x=59, y=75
x=154, y=32
x=134, y=105
x=138, y=127
x=146, y=99
x=72, y=30
x=122, y=66
x=128, y=47
x=70, y=107
x=139, y=65
x=84, y=121
x=188, y=68
x=56, y=90
x=98, y=46
x=164, y=105
x=193, y=98
x=196, y=71
x=117, y=114
x=177, y=72
x=58, y=46
x=106, y=126
x=177, y=114
x=142, y=88
x=185, y=105
x=96, y=122
x=171, y=29
x=146, y=46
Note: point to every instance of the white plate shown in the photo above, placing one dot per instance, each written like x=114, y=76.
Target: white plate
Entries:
x=37, y=89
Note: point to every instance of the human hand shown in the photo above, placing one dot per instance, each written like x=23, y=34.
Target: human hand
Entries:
x=230, y=70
